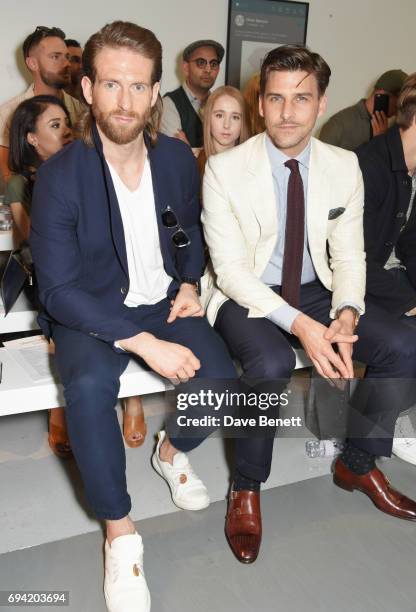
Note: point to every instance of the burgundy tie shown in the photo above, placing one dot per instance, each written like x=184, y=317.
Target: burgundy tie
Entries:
x=294, y=237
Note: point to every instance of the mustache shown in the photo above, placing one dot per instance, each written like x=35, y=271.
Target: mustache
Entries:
x=283, y=123
x=129, y=114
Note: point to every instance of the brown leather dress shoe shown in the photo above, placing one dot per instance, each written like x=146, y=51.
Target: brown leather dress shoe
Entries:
x=243, y=525
x=377, y=487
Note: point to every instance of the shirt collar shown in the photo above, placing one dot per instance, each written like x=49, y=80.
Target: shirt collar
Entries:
x=189, y=93
x=277, y=158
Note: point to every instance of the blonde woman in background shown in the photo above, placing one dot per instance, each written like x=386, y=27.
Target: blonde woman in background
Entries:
x=225, y=123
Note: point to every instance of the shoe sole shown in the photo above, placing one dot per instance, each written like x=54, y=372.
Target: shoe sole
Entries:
x=342, y=485
x=181, y=506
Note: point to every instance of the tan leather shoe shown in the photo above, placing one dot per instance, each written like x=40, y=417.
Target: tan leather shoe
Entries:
x=134, y=429
x=134, y=426
x=58, y=434
x=377, y=487
x=243, y=525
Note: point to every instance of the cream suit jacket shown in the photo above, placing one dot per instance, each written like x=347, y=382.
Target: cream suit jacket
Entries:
x=239, y=216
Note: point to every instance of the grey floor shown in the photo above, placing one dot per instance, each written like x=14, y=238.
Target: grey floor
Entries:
x=324, y=550
x=42, y=498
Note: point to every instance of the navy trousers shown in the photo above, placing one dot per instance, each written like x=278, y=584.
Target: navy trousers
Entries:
x=386, y=345
x=90, y=371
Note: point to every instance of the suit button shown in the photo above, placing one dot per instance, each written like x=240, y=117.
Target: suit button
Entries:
x=123, y=291
x=93, y=334
x=388, y=244
x=400, y=215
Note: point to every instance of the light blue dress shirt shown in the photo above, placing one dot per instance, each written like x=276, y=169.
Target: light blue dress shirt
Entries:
x=272, y=275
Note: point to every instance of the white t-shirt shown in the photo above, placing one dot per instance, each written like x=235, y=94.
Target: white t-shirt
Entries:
x=148, y=280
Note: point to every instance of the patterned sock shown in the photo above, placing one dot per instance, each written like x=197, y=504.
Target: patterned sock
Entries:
x=357, y=460
x=242, y=483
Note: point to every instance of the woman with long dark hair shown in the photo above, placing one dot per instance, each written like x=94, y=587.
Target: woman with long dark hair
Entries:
x=40, y=127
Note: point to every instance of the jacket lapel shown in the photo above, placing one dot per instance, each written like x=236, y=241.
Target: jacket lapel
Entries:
x=319, y=202
x=262, y=199
x=160, y=205
x=117, y=230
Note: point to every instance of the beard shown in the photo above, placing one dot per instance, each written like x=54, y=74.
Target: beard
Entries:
x=206, y=84
x=120, y=134
x=57, y=80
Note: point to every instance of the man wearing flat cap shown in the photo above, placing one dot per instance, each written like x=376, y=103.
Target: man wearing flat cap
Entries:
x=358, y=124
x=181, y=107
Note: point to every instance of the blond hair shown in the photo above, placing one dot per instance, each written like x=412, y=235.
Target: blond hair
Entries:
x=225, y=90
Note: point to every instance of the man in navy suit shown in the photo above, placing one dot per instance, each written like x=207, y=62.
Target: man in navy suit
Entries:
x=118, y=253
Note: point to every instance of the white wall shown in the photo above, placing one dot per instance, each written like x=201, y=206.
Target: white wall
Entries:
x=359, y=38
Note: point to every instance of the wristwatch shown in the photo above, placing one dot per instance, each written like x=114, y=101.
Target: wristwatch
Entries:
x=354, y=312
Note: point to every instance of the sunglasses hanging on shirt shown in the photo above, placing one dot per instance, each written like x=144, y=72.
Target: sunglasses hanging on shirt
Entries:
x=179, y=238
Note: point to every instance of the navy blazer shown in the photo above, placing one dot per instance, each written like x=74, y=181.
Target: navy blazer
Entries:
x=77, y=235
x=388, y=188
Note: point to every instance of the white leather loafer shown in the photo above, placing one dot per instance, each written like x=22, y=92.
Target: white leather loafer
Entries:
x=188, y=491
x=125, y=587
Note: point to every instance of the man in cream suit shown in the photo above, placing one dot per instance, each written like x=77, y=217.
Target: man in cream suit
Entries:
x=283, y=221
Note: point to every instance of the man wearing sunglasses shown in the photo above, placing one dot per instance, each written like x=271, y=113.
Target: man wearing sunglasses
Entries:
x=46, y=57
x=181, y=108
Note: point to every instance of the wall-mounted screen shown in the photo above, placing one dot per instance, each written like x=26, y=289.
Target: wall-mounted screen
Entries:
x=257, y=26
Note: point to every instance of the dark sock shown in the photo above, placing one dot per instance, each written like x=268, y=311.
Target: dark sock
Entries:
x=357, y=460
x=241, y=483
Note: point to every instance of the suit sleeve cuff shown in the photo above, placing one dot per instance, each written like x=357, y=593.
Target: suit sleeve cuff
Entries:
x=352, y=304
x=284, y=317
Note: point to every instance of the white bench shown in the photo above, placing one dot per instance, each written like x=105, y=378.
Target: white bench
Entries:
x=19, y=393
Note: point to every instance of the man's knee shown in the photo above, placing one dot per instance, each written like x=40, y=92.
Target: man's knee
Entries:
x=271, y=363
x=399, y=349
x=93, y=388
x=210, y=349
